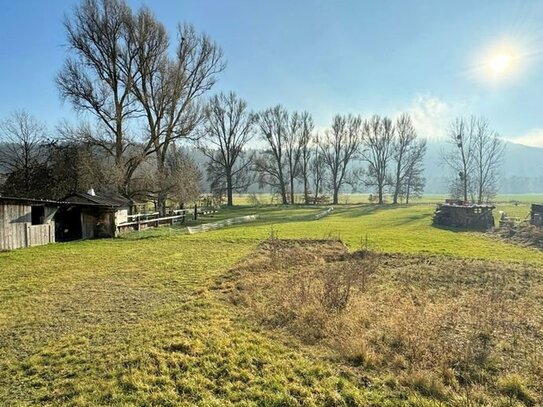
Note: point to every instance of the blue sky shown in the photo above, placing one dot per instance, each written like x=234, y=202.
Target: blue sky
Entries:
x=327, y=57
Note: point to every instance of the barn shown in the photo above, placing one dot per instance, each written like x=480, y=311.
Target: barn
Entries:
x=31, y=222
x=119, y=206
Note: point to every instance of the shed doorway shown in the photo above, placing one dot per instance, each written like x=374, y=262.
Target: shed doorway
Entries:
x=68, y=224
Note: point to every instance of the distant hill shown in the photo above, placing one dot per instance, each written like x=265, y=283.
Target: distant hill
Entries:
x=522, y=169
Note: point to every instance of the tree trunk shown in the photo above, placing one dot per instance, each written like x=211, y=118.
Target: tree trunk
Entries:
x=306, y=192
x=229, y=198
x=284, y=193
x=291, y=190
x=161, y=204
x=397, y=186
x=336, y=196
x=380, y=190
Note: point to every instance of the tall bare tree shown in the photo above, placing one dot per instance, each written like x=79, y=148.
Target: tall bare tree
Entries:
x=377, y=151
x=459, y=157
x=408, y=155
x=306, y=134
x=317, y=170
x=271, y=165
x=293, y=151
x=168, y=89
x=338, y=147
x=414, y=183
x=475, y=157
x=487, y=159
x=97, y=76
x=228, y=128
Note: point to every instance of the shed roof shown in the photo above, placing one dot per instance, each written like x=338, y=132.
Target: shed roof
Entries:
x=113, y=200
x=46, y=202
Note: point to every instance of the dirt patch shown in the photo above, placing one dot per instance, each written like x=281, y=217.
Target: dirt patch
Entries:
x=449, y=329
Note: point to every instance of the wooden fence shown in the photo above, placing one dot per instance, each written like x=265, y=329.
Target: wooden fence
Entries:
x=217, y=225
x=149, y=220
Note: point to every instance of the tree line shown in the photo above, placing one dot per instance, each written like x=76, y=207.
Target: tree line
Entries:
x=142, y=95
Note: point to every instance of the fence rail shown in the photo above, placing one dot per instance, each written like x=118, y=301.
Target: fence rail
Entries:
x=152, y=222
x=216, y=225
x=324, y=213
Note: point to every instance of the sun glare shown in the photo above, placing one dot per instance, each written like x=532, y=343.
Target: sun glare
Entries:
x=500, y=63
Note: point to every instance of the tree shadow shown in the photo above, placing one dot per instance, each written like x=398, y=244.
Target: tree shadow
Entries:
x=458, y=229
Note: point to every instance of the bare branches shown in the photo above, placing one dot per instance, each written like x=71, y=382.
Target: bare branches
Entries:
x=120, y=70
x=97, y=78
x=228, y=128
x=306, y=135
x=408, y=155
x=338, y=147
x=475, y=157
x=270, y=165
x=23, y=138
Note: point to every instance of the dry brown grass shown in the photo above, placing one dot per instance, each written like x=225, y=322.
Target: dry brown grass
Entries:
x=464, y=332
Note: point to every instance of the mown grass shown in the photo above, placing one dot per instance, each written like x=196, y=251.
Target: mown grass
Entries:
x=133, y=321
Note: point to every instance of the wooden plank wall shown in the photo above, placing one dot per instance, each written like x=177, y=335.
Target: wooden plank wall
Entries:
x=40, y=234
x=88, y=225
x=16, y=229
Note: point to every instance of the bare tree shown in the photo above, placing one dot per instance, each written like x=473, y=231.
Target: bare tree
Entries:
x=169, y=89
x=271, y=165
x=227, y=130
x=120, y=71
x=97, y=77
x=23, y=152
x=306, y=131
x=476, y=156
x=487, y=159
x=338, y=147
x=408, y=154
x=413, y=184
x=377, y=150
x=317, y=170
x=459, y=158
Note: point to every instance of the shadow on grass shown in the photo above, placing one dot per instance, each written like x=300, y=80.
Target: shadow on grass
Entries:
x=458, y=229
x=366, y=209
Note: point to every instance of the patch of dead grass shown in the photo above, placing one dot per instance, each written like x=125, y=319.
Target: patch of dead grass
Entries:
x=454, y=330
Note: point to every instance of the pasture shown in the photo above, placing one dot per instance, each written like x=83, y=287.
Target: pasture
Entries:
x=139, y=320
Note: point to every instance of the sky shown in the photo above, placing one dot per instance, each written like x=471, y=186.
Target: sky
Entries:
x=434, y=59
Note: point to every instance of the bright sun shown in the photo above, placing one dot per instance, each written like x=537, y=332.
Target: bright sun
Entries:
x=500, y=63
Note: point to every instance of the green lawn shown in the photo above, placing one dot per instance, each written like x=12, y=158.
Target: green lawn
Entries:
x=134, y=321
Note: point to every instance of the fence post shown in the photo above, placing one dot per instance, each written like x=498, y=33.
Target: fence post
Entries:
x=195, y=211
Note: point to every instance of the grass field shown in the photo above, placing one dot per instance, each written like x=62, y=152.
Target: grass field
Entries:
x=135, y=320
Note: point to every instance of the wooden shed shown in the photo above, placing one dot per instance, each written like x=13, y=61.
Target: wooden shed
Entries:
x=31, y=222
x=26, y=222
x=536, y=215
x=469, y=216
